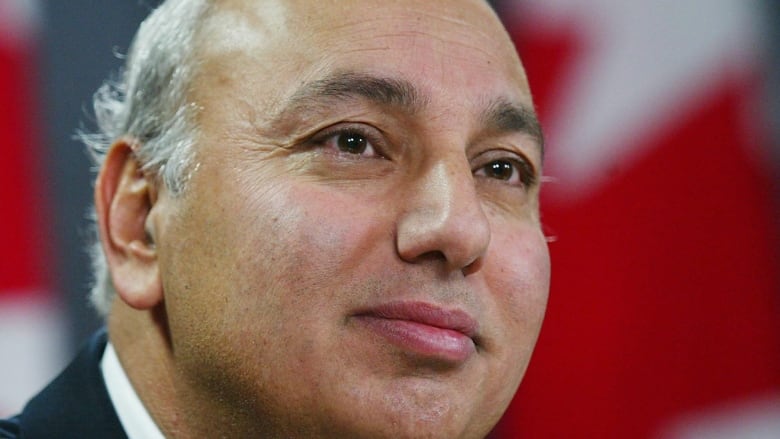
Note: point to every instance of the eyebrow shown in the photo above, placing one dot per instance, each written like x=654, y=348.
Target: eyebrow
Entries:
x=342, y=86
x=504, y=116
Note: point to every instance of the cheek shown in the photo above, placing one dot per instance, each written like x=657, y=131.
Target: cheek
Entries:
x=518, y=271
x=520, y=263
x=268, y=275
x=326, y=234
x=299, y=245
x=516, y=274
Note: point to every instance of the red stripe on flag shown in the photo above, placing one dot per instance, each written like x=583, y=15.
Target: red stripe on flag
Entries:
x=23, y=251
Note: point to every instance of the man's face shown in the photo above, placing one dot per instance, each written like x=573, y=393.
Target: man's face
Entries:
x=359, y=250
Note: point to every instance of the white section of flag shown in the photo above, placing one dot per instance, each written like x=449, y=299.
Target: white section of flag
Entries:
x=752, y=419
x=32, y=347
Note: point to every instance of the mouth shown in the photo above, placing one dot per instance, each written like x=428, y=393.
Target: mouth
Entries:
x=423, y=329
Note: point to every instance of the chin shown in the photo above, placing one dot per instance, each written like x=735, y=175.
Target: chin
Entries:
x=418, y=414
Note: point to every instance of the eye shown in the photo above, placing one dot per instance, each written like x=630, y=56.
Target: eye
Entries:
x=515, y=172
x=350, y=141
x=500, y=170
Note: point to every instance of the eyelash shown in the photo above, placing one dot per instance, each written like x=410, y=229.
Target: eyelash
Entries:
x=376, y=142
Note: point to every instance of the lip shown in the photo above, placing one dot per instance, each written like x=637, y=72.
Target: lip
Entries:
x=423, y=329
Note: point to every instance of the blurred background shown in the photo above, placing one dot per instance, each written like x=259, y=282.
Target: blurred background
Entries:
x=662, y=207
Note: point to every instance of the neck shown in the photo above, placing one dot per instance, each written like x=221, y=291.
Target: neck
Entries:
x=144, y=349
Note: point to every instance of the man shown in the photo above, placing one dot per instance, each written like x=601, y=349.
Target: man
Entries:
x=316, y=219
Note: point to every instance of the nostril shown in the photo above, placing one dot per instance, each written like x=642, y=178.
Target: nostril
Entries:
x=473, y=267
x=432, y=256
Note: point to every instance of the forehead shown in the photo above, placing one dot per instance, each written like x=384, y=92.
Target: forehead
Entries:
x=330, y=17
x=460, y=42
x=256, y=57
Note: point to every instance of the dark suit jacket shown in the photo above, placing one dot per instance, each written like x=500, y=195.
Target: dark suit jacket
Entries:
x=74, y=405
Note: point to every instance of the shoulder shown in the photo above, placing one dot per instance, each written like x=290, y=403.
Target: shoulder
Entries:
x=9, y=428
x=74, y=405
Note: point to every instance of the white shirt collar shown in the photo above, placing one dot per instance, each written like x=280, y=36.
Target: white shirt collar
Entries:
x=135, y=420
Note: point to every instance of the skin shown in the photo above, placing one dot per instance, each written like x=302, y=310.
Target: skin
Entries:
x=239, y=299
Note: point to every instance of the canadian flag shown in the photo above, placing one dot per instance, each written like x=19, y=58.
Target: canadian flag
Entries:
x=664, y=314
x=31, y=330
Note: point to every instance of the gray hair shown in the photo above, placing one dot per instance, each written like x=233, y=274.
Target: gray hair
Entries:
x=148, y=104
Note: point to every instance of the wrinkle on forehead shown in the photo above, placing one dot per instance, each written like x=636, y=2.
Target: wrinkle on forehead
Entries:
x=449, y=25
x=237, y=23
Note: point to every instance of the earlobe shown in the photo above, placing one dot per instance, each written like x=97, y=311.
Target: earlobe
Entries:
x=124, y=198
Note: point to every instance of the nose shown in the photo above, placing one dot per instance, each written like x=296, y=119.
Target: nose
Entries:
x=444, y=218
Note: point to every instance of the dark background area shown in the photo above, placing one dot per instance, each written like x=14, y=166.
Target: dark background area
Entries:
x=81, y=43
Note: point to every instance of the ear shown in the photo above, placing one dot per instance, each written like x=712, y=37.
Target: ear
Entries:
x=124, y=198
